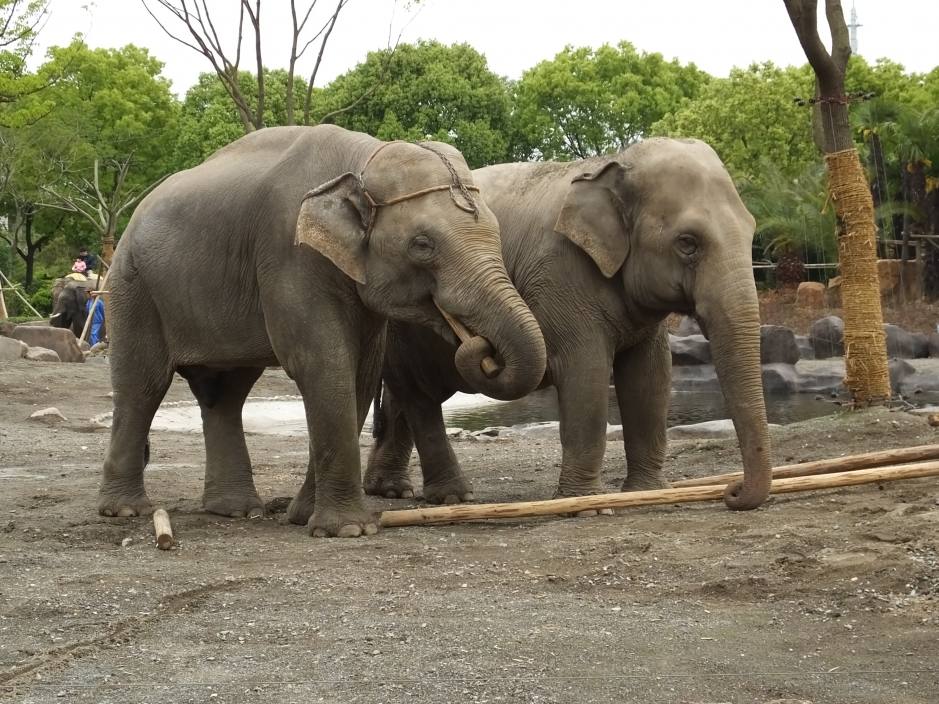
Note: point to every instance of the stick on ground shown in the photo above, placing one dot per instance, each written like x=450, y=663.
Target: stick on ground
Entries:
x=163, y=529
x=838, y=464
x=524, y=509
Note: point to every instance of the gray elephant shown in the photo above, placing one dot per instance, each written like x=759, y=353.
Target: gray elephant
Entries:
x=602, y=250
x=390, y=229
x=69, y=304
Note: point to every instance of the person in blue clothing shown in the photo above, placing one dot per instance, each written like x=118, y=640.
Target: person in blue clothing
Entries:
x=96, y=333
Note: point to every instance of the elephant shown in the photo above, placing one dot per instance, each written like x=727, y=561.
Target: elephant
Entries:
x=69, y=304
x=602, y=250
x=291, y=247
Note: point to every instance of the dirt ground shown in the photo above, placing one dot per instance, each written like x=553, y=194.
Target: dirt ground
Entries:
x=831, y=597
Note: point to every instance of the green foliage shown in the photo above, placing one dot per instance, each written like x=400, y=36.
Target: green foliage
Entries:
x=791, y=213
x=209, y=120
x=424, y=91
x=586, y=102
x=751, y=117
x=19, y=22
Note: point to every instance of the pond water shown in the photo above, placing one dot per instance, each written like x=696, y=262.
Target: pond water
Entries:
x=475, y=412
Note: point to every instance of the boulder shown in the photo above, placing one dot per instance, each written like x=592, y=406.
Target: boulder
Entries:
x=11, y=349
x=811, y=295
x=900, y=372
x=41, y=354
x=934, y=344
x=693, y=349
x=60, y=340
x=805, y=347
x=6, y=328
x=900, y=281
x=723, y=428
x=778, y=345
x=688, y=326
x=547, y=430
x=905, y=345
x=780, y=378
x=827, y=337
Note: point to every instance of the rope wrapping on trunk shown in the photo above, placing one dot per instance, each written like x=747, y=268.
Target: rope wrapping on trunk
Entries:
x=866, y=372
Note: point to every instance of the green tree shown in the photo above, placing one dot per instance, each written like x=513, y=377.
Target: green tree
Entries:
x=591, y=101
x=118, y=117
x=20, y=21
x=750, y=118
x=424, y=91
x=209, y=120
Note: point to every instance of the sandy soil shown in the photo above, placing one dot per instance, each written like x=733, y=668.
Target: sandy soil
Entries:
x=828, y=597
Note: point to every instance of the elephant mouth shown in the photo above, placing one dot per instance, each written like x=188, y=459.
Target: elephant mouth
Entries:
x=489, y=366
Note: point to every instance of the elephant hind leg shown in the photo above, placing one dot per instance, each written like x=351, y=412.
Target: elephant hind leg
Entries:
x=141, y=373
x=387, y=471
x=229, y=484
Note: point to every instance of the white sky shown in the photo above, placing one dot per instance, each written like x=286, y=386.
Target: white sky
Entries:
x=516, y=34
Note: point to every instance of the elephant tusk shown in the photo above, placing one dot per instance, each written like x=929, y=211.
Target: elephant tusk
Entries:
x=489, y=366
x=54, y=316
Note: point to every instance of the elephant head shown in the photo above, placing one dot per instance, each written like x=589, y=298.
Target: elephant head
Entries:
x=68, y=306
x=665, y=217
x=411, y=230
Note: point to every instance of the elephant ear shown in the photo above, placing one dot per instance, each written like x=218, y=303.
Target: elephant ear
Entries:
x=593, y=217
x=334, y=220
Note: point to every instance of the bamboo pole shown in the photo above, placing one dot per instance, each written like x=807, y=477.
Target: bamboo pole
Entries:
x=3, y=306
x=838, y=464
x=489, y=366
x=525, y=509
x=14, y=289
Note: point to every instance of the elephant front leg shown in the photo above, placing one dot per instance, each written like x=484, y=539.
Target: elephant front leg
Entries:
x=642, y=375
x=444, y=481
x=582, y=398
x=331, y=502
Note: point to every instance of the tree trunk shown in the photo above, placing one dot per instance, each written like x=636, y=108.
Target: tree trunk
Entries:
x=867, y=375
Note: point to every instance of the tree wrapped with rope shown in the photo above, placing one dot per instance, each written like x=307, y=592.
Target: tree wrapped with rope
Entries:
x=866, y=372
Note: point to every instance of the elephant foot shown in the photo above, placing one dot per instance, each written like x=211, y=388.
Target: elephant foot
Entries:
x=454, y=489
x=234, y=504
x=591, y=489
x=123, y=504
x=300, y=510
x=352, y=521
x=647, y=481
x=390, y=485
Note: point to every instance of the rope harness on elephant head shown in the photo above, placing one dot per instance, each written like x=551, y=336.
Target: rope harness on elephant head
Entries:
x=456, y=184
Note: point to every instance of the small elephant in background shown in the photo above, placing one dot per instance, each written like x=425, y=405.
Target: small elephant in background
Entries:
x=602, y=250
x=70, y=305
x=292, y=246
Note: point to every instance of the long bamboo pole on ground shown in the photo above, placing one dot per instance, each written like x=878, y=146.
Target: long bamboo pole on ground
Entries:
x=526, y=509
x=866, y=460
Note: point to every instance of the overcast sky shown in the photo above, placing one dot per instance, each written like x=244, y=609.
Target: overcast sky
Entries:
x=516, y=34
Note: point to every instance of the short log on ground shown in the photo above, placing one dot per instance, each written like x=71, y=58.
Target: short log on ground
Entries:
x=163, y=529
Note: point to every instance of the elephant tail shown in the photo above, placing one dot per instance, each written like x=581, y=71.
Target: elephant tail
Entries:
x=378, y=418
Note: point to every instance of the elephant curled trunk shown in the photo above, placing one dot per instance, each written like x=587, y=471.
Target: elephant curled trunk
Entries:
x=503, y=355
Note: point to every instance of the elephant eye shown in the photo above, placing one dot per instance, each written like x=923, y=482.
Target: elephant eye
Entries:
x=687, y=244
x=422, y=247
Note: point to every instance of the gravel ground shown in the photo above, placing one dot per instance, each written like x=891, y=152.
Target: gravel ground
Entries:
x=822, y=597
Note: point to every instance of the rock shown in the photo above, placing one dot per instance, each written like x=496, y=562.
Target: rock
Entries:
x=549, y=429
x=11, y=349
x=778, y=345
x=833, y=292
x=614, y=433
x=900, y=372
x=688, y=326
x=49, y=416
x=708, y=429
x=905, y=345
x=99, y=348
x=692, y=349
x=780, y=379
x=805, y=347
x=934, y=344
x=61, y=340
x=41, y=354
x=84, y=346
x=455, y=432
x=827, y=337
x=900, y=281
x=699, y=377
x=6, y=328
x=811, y=295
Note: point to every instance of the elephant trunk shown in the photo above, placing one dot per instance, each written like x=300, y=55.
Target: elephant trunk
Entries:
x=502, y=327
x=730, y=312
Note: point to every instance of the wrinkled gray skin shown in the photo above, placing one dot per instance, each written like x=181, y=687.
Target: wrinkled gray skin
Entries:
x=68, y=307
x=601, y=250
x=210, y=281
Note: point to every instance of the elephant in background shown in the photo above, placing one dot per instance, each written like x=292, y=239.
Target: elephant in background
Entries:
x=69, y=304
x=271, y=273
x=602, y=250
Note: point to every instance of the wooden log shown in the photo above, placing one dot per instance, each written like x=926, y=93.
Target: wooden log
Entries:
x=838, y=464
x=163, y=529
x=489, y=366
x=525, y=509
